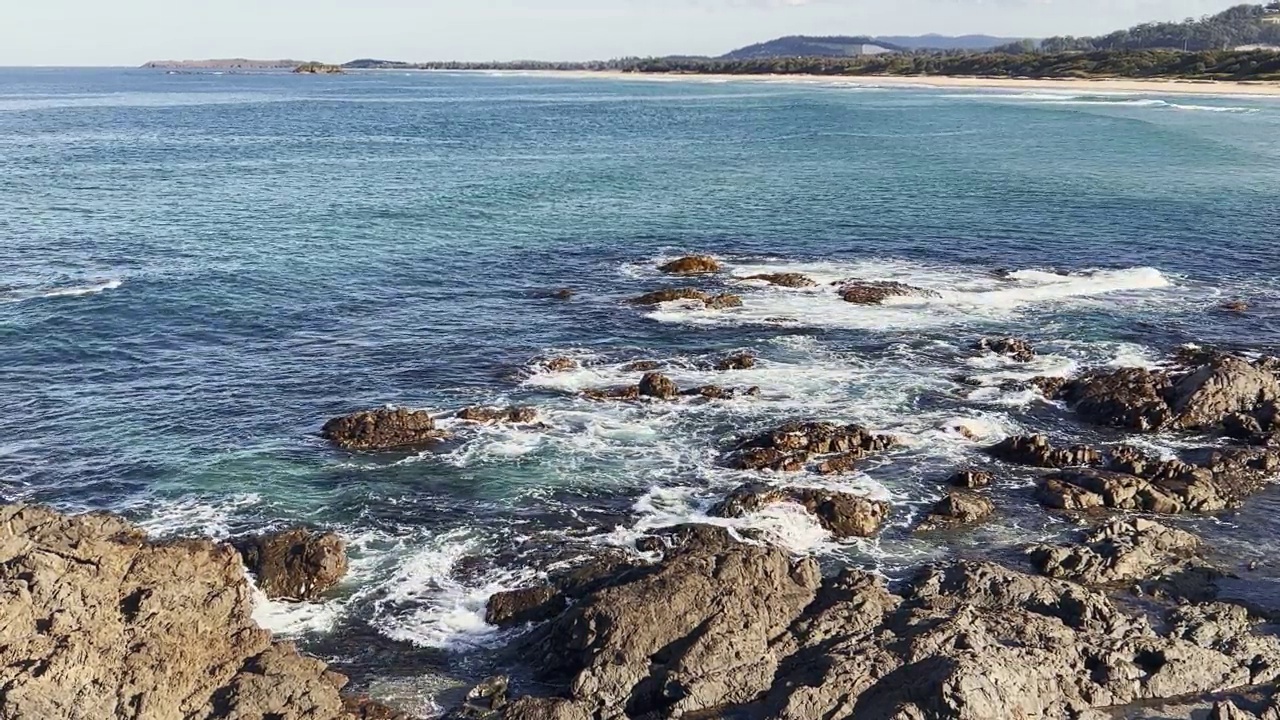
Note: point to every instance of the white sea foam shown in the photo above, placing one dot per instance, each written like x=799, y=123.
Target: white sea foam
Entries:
x=192, y=515
x=72, y=291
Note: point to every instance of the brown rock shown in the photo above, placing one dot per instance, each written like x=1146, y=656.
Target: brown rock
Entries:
x=738, y=361
x=563, y=294
x=875, y=293
x=1129, y=397
x=971, y=479
x=1120, y=552
x=1236, y=306
x=1050, y=387
x=383, y=429
x=99, y=622
x=659, y=386
x=518, y=415
x=1015, y=348
x=626, y=392
x=658, y=297
x=724, y=302
x=791, y=280
x=692, y=265
x=843, y=514
x=642, y=366
x=558, y=364
x=295, y=565
x=957, y=509
x=1228, y=385
x=526, y=605
x=1036, y=451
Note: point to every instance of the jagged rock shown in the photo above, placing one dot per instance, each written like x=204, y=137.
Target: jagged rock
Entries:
x=729, y=630
x=875, y=293
x=657, y=385
x=971, y=479
x=626, y=392
x=1015, y=348
x=1228, y=385
x=843, y=463
x=794, y=444
x=738, y=361
x=99, y=622
x=791, y=280
x=724, y=302
x=558, y=364
x=1129, y=397
x=295, y=565
x=1036, y=451
x=383, y=429
x=642, y=366
x=692, y=265
x=516, y=607
x=518, y=415
x=363, y=707
x=957, y=509
x=843, y=514
x=1122, y=551
x=769, y=459
x=658, y=297
x=1050, y=387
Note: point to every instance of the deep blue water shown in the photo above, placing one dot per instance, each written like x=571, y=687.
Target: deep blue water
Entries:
x=198, y=270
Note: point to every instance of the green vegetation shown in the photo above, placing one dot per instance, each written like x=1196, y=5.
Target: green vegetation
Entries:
x=1240, y=25
x=318, y=68
x=1209, y=65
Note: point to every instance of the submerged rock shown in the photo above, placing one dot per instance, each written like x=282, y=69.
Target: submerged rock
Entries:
x=564, y=294
x=692, y=265
x=791, y=280
x=717, y=392
x=517, y=415
x=295, y=565
x=625, y=392
x=100, y=622
x=641, y=366
x=875, y=293
x=1014, y=348
x=658, y=297
x=558, y=364
x=383, y=429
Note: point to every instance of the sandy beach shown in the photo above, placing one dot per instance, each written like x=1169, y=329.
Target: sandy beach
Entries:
x=1110, y=85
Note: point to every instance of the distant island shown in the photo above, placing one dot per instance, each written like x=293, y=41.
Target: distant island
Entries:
x=223, y=64
x=316, y=68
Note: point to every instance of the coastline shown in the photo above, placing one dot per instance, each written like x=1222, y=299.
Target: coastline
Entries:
x=1103, y=85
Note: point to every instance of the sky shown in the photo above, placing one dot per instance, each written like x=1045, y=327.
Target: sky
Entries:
x=130, y=32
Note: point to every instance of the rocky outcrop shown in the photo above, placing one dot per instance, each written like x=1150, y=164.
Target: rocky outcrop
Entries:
x=956, y=510
x=844, y=515
x=718, y=392
x=624, y=393
x=719, y=629
x=1154, y=400
x=724, y=301
x=790, y=447
x=875, y=293
x=1013, y=348
x=516, y=607
x=971, y=479
x=657, y=297
x=642, y=366
x=560, y=363
x=1219, y=479
x=298, y=564
x=692, y=265
x=493, y=415
x=791, y=280
x=659, y=386
x=1120, y=552
x=1035, y=450
x=99, y=622
x=383, y=429
x=737, y=361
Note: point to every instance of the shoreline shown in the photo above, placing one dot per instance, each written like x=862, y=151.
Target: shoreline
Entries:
x=1105, y=85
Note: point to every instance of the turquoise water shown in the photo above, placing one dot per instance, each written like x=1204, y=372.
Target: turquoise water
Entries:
x=201, y=269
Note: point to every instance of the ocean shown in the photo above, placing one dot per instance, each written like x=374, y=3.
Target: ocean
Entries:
x=199, y=270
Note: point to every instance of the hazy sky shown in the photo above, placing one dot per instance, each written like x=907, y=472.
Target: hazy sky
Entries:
x=129, y=32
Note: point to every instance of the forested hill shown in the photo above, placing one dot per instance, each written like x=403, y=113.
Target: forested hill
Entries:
x=845, y=45
x=1240, y=25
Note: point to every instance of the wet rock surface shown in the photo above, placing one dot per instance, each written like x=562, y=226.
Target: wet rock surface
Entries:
x=790, y=447
x=489, y=415
x=1037, y=451
x=100, y=622
x=658, y=297
x=692, y=265
x=844, y=515
x=874, y=293
x=1013, y=348
x=737, y=361
x=724, y=302
x=383, y=429
x=791, y=280
x=1120, y=552
x=298, y=564
x=971, y=479
x=956, y=510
